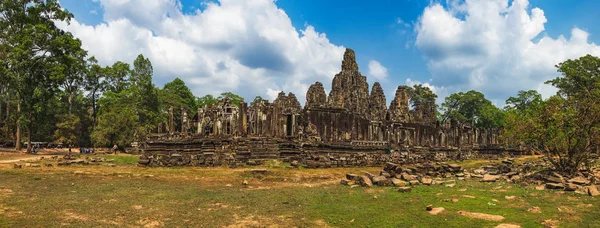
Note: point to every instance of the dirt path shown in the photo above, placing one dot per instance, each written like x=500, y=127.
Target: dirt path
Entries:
x=24, y=158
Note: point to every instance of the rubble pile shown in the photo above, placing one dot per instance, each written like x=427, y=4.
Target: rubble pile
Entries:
x=76, y=160
x=396, y=175
x=419, y=155
x=528, y=173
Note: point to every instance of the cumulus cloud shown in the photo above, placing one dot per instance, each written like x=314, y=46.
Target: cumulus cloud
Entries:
x=377, y=70
x=494, y=47
x=245, y=46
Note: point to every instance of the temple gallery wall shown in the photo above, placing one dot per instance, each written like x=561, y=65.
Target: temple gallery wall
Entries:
x=348, y=127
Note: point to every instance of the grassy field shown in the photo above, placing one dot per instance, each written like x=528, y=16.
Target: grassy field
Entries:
x=127, y=195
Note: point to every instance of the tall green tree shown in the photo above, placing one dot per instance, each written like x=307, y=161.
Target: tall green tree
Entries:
x=146, y=95
x=118, y=120
x=178, y=88
x=30, y=40
x=95, y=83
x=72, y=67
x=521, y=112
x=571, y=121
x=118, y=76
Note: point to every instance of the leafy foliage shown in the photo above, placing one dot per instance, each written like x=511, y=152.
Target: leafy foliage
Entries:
x=206, y=100
x=235, y=99
x=473, y=108
x=421, y=95
x=181, y=93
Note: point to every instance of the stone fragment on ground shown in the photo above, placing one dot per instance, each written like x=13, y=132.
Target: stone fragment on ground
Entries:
x=540, y=187
x=593, y=190
x=579, y=181
x=380, y=181
x=488, y=217
x=490, y=178
x=436, y=210
x=399, y=183
x=352, y=177
x=426, y=180
x=365, y=181
x=510, y=197
x=404, y=189
x=535, y=209
x=555, y=185
x=549, y=223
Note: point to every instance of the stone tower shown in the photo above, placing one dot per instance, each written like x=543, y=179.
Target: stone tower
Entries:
x=349, y=88
x=377, y=106
x=399, y=107
x=316, y=96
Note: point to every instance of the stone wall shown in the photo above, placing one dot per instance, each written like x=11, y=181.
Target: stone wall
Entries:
x=349, y=127
x=256, y=150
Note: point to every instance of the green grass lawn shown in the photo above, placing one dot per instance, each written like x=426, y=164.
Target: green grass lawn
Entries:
x=123, y=159
x=215, y=197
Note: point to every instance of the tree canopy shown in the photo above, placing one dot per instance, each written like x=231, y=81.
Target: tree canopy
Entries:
x=472, y=108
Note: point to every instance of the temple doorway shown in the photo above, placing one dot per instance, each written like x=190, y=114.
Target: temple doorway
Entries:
x=289, y=124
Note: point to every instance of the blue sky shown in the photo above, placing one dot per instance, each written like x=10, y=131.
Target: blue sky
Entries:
x=446, y=44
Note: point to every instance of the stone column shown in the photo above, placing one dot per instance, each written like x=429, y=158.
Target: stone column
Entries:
x=171, y=127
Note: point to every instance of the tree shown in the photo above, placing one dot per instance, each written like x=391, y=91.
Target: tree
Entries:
x=235, y=99
x=95, y=83
x=145, y=95
x=570, y=121
x=30, y=40
x=72, y=66
x=520, y=115
x=117, y=123
x=258, y=99
x=421, y=95
x=524, y=101
x=66, y=130
x=472, y=107
x=206, y=100
x=118, y=76
x=178, y=88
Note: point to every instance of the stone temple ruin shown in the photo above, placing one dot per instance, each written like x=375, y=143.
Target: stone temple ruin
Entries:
x=350, y=127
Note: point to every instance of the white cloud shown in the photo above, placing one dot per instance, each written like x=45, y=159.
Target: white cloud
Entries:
x=245, y=46
x=377, y=70
x=401, y=22
x=494, y=47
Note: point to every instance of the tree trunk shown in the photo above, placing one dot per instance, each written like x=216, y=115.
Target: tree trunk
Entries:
x=7, y=113
x=18, y=134
x=1, y=92
x=29, y=147
x=94, y=109
x=70, y=100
